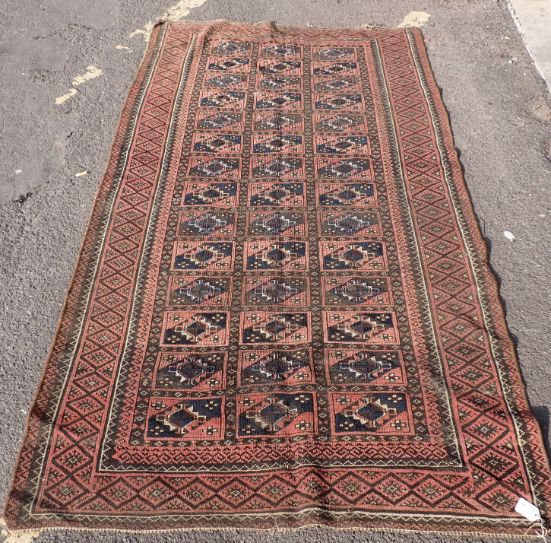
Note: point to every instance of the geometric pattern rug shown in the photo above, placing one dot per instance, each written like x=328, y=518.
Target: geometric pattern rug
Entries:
x=283, y=312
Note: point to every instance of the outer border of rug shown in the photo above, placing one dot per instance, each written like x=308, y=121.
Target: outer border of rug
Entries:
x=322, y=518
x=84, y=254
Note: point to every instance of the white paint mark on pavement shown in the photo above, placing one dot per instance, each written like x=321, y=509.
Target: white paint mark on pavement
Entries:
x=64, y=97
x=18, y=171
x=174, y=13
x=414, y=18
x=509, y=235
x=81, y=174
x=28, y=536
x=91, y=73
x=124, y=48
x=22, y=536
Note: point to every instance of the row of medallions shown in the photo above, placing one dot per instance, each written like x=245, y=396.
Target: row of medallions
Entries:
x=258, y=256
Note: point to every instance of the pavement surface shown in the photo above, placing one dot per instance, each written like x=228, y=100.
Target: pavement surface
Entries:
x=533, y=18
x=65, y=68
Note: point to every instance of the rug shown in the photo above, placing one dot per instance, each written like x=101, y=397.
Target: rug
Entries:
x=283, y=312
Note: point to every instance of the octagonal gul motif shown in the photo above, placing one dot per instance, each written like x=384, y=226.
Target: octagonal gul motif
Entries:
x=189, y=418
x=342, y=145
x=283, y=100
x=227, y=81
x=365, y=367
x=334, y=68
x=199, y=193
x=356, y=290
x=276, y=367
x=383, y=413
x=210, y=223
x=284, y=223
x=276, y=415
x=274, y=194
x=202, y=290
x=281, y=50
x=334, y=53
x=340, y=122
x=277, y=166
x=203, y=255
x=196, y=329
x=276, y=255
x=276, y=290
x=336, y=83
x=231, y=64
x=230, y=99
x=350, y=223
x=343, y=168
x=221, y=168
x=279, y=82
x=278, y=143
x=280, y=66
x=338, y=101
x=231, y=48
x=352, y=255
x=284, y=121
x=360, y=327
x=213, y=119
x=345, y=194
x=206, y=142
x=265, y=327
x=193, y=371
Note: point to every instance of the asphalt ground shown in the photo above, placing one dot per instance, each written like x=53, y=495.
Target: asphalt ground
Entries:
x=52, y=157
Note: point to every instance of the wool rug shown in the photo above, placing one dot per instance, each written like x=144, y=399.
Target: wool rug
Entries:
x=283, y=312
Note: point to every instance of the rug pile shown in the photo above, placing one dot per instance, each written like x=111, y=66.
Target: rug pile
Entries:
x=283, y=312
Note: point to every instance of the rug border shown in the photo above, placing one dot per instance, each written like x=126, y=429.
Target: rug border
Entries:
x=83, y=255
x=490, y=287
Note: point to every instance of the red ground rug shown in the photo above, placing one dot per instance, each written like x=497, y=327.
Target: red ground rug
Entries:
x=283, y=312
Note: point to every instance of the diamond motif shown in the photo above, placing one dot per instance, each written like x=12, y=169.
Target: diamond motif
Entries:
x=329, y=168
x=284, y=255
x=362, y=255
x=335, y=68
x=275, y=328
x=282, y=100
x=356, y=291
x=350, y=223
x=339, y=101
x=275, y=367
x=381, y=412
x=228, y=81
x=276, y=414
x=190, y=371
x=193, y=418
x=199, y=290
x=285, y=291
x=354, y=327
x=365, y=367
x=198, y=329
x=276, y=194
x=228, y=65
x=207, y=223
x=216, y=255
x=230, y=47
x=212, y=194
x=276, y=223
